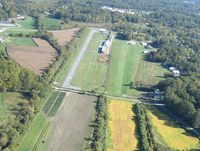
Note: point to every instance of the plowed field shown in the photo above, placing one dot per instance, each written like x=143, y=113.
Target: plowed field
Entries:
x=36, y=59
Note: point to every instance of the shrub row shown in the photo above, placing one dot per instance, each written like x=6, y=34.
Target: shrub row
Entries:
x=145, y=130
x=101, y=122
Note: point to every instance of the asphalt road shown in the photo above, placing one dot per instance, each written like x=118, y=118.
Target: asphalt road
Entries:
x=74, y=67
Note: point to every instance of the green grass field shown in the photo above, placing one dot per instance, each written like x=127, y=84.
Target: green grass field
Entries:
x=149, y=73
x=28, y=23
x=91, y=73
x=75, y=46
x=51, y=22
x=50, y=101
x=127, y=65
x=57, y=104
x=169, y=133
x=19, y=41
x=124, y=62
x=33, y=134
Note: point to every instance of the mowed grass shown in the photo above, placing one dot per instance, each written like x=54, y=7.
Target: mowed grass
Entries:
x=122, y=126
x=51, y=22
x=27, y=23
x=171, y=133
x=149, y=73
x=50, y=101
x=21, y=41
x=124, y=63
x=33, y=134
x=76, y=45
x=91, y=73
x=57, y=104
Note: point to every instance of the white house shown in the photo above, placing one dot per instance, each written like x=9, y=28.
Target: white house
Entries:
x=104, y=31
x=144, y=43
x=172, y=68
x=1, y=40
x=176, y=73
x=20, y=17
x=146, y=52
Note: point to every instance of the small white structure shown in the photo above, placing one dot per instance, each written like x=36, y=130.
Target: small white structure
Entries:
x=20, y=17
x=104, y=31
x=1, y=5
x=131, y=42
x=107, y=42
x=146, y=52
x=172, y=68
x=1, y=40
x=144, y=43
x=176, y=73
x=46, y=13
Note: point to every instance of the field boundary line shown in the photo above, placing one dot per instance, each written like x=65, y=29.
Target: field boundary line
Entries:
x=53, y=104
x=45, y=129
x=137, y=69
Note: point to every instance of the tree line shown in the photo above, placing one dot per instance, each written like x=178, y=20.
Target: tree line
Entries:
x=147, y=141
x=17, y=79
x=100, y=125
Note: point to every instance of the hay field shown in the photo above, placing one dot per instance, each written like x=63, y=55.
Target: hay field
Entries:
x=122, y=126
x=171, y=133
x=36, y=59
x=70, y=126
x=64, y=37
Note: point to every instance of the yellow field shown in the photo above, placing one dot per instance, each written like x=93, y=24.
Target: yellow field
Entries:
x=173, y=135
x=122, y=126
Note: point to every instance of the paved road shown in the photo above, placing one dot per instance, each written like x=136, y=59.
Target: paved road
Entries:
x=78, y=60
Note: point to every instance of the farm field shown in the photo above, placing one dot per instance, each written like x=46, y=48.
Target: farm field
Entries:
x=50, y=101
x=70, y=126
x=57, y=104
x=36, y=59
x=65, y=36
x=124, y=63
x=76, y=46
x=149, y=73
x=20, y=41
x=91, y=73
x=122, y=126
x=33, y=134
x=171, y=133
